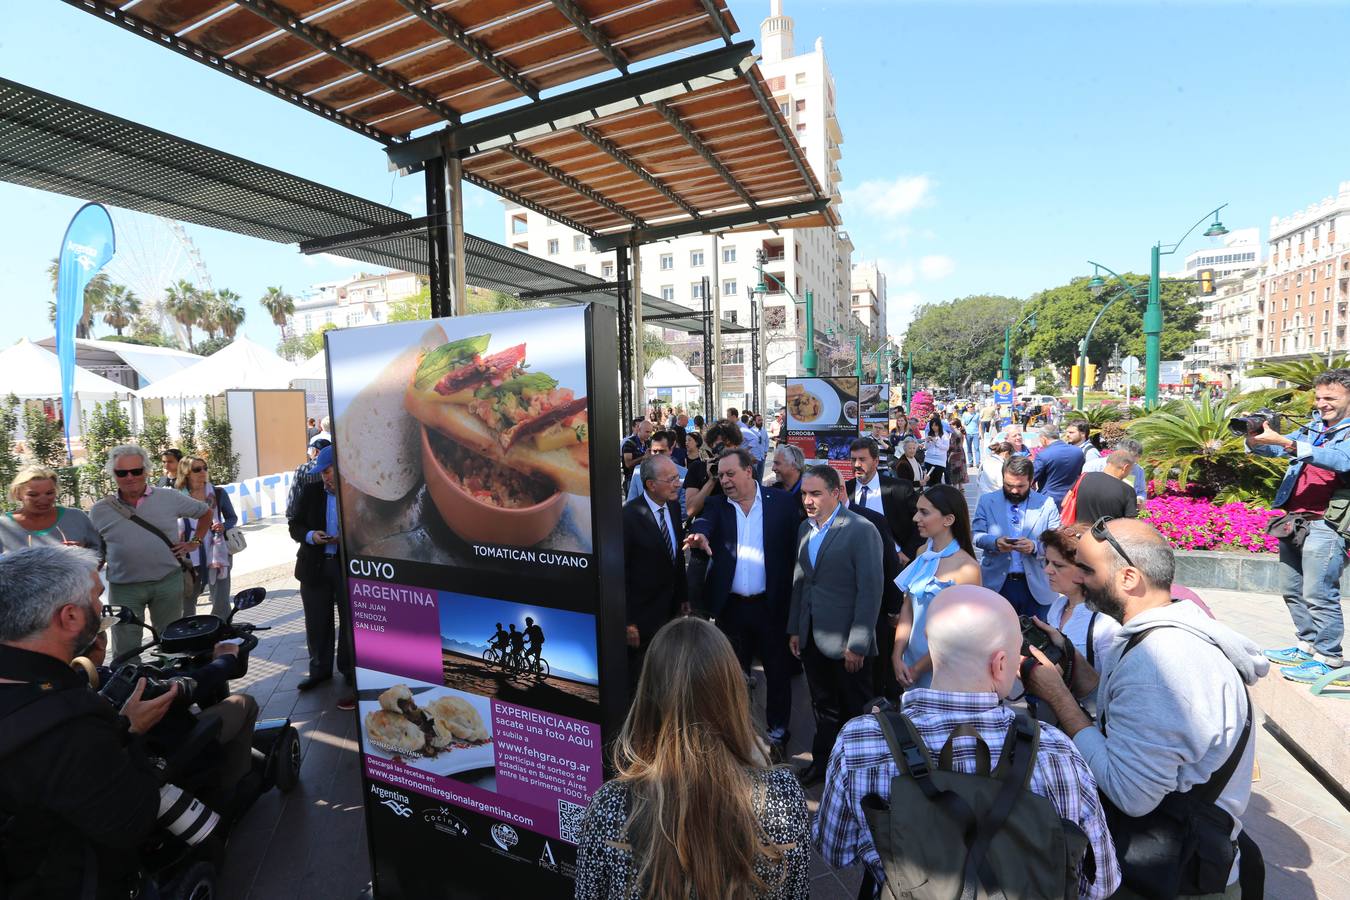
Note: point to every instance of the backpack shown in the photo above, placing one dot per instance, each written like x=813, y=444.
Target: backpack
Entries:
x=948, y=834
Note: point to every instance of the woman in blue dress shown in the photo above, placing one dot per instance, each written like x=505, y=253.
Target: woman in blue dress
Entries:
x=949, y=558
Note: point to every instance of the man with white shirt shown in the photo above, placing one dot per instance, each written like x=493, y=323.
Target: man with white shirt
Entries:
x=753, y=440
x=749, y=534
x=1076, y=434
x=654, y=579
x=894, y=498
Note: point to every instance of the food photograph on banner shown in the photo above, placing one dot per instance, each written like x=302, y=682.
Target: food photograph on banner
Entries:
x=822, y=419
x=469, y=447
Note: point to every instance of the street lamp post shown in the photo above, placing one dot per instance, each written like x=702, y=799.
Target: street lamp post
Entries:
x=857, y=356
x=909, y=382
x=1128, y=291
x=809, y=358
x=1007, y=343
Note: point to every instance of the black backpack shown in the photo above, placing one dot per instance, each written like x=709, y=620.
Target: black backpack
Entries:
x=948, y=834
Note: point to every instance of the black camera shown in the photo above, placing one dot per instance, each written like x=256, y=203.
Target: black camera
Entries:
x=1034, y=636
x=1254, y=423
x=122, y=685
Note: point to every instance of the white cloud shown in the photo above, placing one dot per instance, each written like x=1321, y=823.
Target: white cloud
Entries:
x=936, y=267
x=340, y=262
x=891, y=199
x=900, y=306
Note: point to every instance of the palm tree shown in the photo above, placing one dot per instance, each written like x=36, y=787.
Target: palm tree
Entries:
x=1097, y=416
x=1192, y=441
x=1295, y=398
x=209, y=320
x=120, y=308
x=184, y=302
x=95, y=292
x=279, y=305
x=229, y=314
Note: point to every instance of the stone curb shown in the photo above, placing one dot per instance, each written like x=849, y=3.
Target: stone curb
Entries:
x=1257, y=573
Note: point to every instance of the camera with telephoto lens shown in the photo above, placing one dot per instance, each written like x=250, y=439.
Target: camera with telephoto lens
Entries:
x=122, y=685
x=1254, y=423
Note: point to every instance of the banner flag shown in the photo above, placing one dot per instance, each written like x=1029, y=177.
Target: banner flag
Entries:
x=88, y=245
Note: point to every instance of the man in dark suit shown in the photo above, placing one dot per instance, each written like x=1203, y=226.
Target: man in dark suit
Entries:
x=883, y=674
x=1058, y=465
x=836, y=595
x=750, y=534
x=894, y=498
x=318, y=568
x=654, y=578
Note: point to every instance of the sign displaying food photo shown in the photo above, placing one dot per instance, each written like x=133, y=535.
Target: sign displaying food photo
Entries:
x=472, y=564
x=822, y=418
x=874, y=404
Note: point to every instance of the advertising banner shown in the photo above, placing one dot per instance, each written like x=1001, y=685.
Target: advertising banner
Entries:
x=822, y=419
x=88, y=244
x=473, y=501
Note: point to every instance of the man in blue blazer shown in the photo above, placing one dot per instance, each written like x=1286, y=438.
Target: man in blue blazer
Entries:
x=750, y=534
x=1058, y=465
x=1008, y=525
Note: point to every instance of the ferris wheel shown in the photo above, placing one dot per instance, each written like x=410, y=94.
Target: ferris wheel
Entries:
x=154, y=253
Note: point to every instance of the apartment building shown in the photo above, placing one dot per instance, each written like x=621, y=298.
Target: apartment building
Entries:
x=1308, y=279
x=1236, y=325
x=868, y=285
x=797, y=260
x=362, y=300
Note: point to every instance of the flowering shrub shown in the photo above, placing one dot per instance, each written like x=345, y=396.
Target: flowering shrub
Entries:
x=1199, y=523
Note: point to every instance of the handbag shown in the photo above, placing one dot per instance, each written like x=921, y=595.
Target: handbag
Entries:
x=1292, y=527
x=1185, y=844
x=234, y=539
x=1068, y=510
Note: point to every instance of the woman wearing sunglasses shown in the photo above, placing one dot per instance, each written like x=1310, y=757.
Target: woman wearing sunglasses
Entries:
x=1089, y=631
x=40, y=519
x=212, y=557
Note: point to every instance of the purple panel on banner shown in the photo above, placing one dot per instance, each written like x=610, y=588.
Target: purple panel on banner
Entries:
x=397, y=629
x=543, y=757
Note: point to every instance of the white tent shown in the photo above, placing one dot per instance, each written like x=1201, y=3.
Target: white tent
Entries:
x=670, y=372
x=32, y=373
x=314, y=367
x=311, y=376
x=242, y=365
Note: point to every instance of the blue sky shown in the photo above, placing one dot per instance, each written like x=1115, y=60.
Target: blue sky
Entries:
x=569, y=637
x=989, y=146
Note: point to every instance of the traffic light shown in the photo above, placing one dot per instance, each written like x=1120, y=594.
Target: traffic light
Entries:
x=1206, y=277
x=1075, y=377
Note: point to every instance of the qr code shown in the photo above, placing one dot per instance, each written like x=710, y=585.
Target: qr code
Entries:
x=569, y=821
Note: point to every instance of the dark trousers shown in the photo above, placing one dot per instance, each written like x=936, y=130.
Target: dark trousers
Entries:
x=319, y=596
x=884, y=683
x=837, y=695
x=755, y=630
x=1016, y=591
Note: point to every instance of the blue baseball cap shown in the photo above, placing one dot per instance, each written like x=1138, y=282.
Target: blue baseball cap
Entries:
x=323, y=460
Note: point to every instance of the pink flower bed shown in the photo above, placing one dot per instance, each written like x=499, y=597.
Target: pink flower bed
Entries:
x=1198, y=523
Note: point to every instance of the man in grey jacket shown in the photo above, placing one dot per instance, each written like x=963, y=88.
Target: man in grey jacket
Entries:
x=836, y=594
x=1173, y=708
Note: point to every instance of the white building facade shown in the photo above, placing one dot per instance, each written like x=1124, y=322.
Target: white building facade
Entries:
x=868, y=286
x=1307, y=283
x=1236, y=327
x=799, y=260
x=362, y=300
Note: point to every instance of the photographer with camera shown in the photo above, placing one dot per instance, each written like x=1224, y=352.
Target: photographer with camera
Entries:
x=78, y=797
x=1312, y=551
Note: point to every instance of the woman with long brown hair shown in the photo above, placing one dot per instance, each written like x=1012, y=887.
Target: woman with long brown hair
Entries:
x=696, y=811
x=212, y=557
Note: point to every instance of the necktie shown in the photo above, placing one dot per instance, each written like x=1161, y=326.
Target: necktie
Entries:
x=862, y=497
x=665, y=533
x=1015, y=514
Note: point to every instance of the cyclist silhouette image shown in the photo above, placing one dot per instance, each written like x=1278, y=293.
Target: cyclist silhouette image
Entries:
x=535, y=634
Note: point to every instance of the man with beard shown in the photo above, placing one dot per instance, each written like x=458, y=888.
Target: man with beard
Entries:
x=1174, y=731
x=1007, y=527
x=76, y=790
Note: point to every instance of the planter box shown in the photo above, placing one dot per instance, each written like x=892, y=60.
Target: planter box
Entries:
x=1257, y=573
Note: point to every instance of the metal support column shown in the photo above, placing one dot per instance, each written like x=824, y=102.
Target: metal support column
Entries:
x=625, y=338
x=717, y=332
x=445, y=236
x=454, y=196
x=754, y=355
x=709, y=369
x=639, y=357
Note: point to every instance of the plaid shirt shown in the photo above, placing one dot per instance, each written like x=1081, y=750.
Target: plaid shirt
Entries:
x=861, y=764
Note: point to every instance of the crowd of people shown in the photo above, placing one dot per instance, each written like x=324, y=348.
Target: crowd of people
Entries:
x=997, y=644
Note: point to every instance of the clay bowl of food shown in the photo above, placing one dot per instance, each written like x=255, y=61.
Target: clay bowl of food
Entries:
x=485, y=502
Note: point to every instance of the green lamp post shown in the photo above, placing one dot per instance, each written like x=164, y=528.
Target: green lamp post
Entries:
x=1096, y=284
x=909, y=381
x=857, y=356
x=809, y=358
x=1007, y=343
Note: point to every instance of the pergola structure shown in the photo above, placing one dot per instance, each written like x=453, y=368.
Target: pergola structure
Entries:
x=692, y=146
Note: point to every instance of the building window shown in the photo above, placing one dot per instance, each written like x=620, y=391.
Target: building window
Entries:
x=801, y=106
x=308, y=324
x=519, y=224
x=579, y=242
x=801, y=78
x=801, y=129
x=696, y=290
x=667, y=261
x=728, y=287
x=1326, y=335
x=328, y=317
x=522, y=247
x=695, y=258
x=607, y=270
x=552, y=246
x=580, y=267
x=729, y=254
x=667, y=292
x=1298, y=279
x=732, y=316
x=784, y=109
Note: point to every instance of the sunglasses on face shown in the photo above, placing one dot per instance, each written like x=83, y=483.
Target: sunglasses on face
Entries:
x=123, y=473
x=199, y=468
x=1100, y=533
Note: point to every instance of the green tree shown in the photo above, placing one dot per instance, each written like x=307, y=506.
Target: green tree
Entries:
x=187, y=433
x=9, y=430
x=187, y=306
x=95, y=293
x=653, y=348
x=46, y=437
x=300, y=347
x=1064, y=314
x=960, y=342
x=222, y=465
x=211, y=345
x=229, y=312
x=418, y=306
x=120, y=307
x=413, y=308
x=154, y=437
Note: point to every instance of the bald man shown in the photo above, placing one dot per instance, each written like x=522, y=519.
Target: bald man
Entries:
x=1173, y=710
x=975, y=642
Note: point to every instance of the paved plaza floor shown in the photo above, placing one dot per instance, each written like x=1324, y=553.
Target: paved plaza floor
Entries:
x=311, y=843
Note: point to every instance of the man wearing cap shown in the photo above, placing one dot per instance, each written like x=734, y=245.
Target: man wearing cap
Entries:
x=318, y=568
